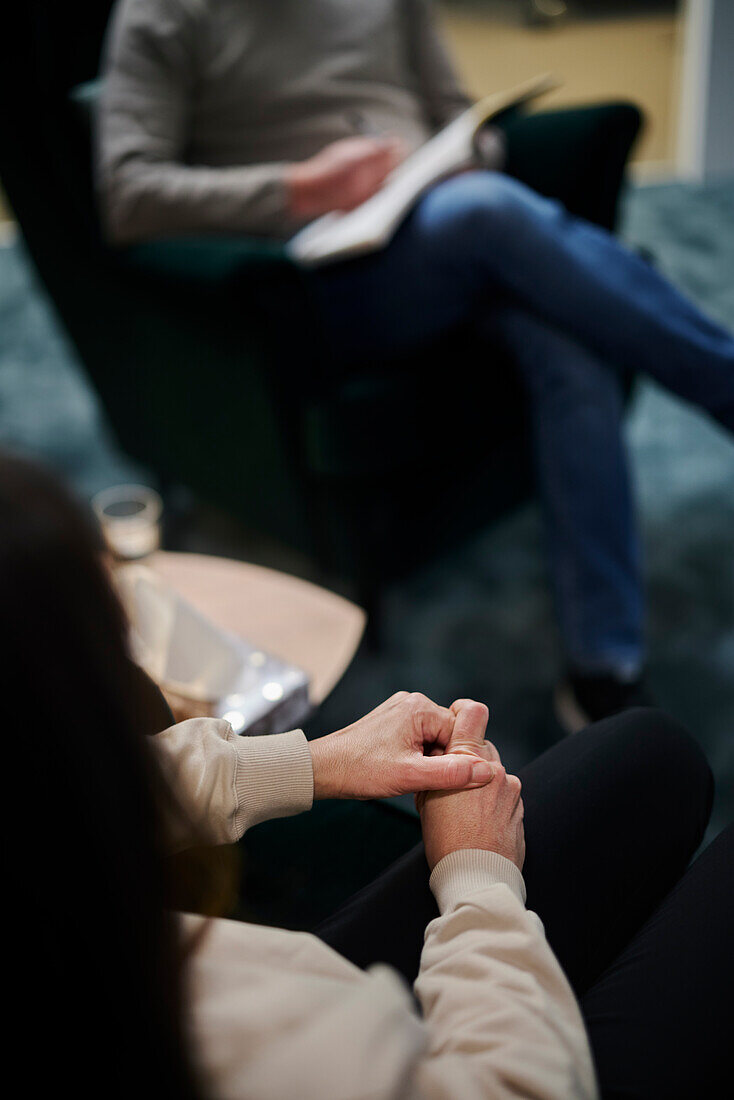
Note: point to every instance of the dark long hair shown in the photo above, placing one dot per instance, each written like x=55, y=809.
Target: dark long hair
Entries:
x=100, y=993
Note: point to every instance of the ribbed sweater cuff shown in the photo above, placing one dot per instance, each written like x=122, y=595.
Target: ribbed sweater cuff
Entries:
x=273, y=777
x=460, y=874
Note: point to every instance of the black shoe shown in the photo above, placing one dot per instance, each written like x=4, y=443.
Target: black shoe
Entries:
x=580, y=700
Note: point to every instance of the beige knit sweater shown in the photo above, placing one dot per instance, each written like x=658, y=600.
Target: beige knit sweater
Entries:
x=280, y=1016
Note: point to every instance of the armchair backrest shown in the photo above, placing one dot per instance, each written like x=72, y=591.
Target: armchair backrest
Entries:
x=44, y=151
x=66, y=38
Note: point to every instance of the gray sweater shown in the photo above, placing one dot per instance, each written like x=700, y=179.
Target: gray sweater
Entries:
x=206, y=103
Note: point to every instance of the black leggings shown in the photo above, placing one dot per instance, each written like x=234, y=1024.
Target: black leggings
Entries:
x=612, y=818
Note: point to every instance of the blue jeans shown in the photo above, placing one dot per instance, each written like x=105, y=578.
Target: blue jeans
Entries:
x=573, y=305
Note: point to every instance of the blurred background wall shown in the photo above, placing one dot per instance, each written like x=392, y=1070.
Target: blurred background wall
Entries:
x=600, y=49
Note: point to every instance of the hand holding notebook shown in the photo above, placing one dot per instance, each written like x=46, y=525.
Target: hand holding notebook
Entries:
x=338, y=236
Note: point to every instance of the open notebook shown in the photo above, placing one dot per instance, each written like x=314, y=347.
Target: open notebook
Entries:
x=369, y=227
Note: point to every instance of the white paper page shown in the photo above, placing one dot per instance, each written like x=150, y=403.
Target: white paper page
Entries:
x=372, y=223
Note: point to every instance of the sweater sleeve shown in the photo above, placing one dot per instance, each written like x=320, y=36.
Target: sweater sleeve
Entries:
x=224, y=784
x=437, y=82
x=145, y=188
x=501, y=1017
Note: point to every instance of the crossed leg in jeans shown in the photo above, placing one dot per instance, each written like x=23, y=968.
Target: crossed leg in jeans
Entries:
x=575, y=308
x=612, y=819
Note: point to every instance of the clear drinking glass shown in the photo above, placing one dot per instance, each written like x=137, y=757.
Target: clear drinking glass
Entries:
x=129, y=516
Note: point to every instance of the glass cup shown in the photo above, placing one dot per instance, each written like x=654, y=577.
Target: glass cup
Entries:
x=129, y=516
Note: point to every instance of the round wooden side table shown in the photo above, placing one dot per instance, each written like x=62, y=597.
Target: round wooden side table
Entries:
x=290, y=618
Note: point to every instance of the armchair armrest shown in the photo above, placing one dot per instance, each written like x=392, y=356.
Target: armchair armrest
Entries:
x=241, y=289
x=575, y=154
x=204, y=261
x=208, y=262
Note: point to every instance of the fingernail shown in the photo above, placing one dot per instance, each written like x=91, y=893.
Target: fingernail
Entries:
x=482, y=772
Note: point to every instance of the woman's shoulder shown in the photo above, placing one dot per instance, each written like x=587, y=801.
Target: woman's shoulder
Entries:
x=278, y=1013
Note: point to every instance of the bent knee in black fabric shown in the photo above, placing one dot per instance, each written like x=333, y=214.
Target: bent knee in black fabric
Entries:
x=612, y=818
x=659, y=1018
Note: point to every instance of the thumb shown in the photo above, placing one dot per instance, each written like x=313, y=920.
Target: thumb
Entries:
x=451, y=772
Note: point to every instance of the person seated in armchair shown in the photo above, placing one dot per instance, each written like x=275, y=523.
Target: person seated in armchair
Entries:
x=630, y=972
x=224, y=117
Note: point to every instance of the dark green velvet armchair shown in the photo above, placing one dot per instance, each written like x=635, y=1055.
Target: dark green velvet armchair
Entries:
x=208, y=357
